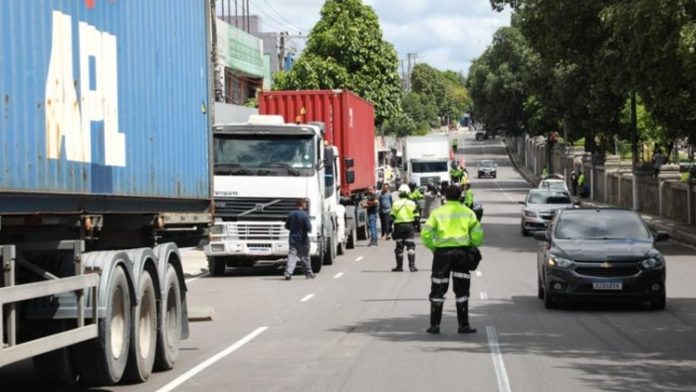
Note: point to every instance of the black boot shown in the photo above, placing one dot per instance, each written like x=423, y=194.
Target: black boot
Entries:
x=435, y=317
x=412, y=262
x=463, y=318
x=399, y=263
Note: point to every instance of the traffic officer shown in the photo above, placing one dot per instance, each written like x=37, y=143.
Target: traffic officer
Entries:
x=453, y=233
x=468, y=194
x=405, y=215
x=455, y=173
x=416, y=196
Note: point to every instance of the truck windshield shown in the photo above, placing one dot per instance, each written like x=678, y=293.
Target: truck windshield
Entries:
x=262, y=154
x=429, y=167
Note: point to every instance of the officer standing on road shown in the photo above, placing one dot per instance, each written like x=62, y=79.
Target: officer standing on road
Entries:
x=405, y=215
x=455, y=173
x=453, y=234
x=299, y=225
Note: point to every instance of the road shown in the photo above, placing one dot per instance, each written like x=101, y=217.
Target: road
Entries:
x=361, y=327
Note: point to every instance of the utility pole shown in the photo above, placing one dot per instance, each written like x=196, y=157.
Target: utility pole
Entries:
x=248, y=18
x=236, y=15
x=634, y=148
x=411, y=58
x=404, y=81
x=281, y=50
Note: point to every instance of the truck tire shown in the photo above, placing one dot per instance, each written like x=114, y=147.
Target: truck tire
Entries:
x=216, y=266
x=362, y=232
x=144, y=332
x=102, y=361
x=340, y=248
x=317, y=261
x=330, y=252
x=350, y=242
x=169, y=328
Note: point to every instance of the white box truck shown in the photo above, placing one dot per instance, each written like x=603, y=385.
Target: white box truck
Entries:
x=427, y=159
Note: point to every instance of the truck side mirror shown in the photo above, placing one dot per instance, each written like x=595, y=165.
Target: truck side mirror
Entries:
x=349, y=163
x=350, y=177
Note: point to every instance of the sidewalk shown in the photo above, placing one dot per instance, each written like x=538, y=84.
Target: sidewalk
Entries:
x=678, y=231
x=193, y=262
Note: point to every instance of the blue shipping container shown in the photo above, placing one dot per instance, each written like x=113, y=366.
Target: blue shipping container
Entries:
x=104, y=98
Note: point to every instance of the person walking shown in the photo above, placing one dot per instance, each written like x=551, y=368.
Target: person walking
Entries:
x=454, y=234
x=574, y=183
x=455, y=143
x=431, y=198
x=405, y=217
x=299, y=225
x=581, y=185
x=372, y=204
x=385, y=206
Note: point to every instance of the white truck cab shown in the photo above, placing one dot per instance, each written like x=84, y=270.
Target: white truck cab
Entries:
x=261, y=169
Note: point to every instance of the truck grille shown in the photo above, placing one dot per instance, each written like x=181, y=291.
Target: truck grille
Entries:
x=262, y=232
x=259, y=208
x=614, y=271
x=425, y=180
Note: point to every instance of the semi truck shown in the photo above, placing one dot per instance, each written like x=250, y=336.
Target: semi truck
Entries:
x=427, y=159
x=104, y=165
x=316, y=145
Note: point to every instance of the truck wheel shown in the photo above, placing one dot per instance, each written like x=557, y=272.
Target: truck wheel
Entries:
x=350, y=242
x=362, y=232
x=216, y=266
x=169, y=328
x=144, y=335
x=341, y=248
x=330, y=252
x=102, y=361
x=317, y=261
x=55, y=367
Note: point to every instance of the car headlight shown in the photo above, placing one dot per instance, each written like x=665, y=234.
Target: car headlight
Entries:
x=530, y=214
x=217, y=229
x=561, y=262
x=652, y=262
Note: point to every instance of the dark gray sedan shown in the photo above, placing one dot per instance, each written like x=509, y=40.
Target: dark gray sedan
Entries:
x=600, y=253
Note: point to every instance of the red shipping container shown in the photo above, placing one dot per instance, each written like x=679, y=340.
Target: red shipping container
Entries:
x=350, y=126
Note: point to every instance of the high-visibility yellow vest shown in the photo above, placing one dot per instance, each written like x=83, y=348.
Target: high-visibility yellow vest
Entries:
x=404, y=211
x=451, y=226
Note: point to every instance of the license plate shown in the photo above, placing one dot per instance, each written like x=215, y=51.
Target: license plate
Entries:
x=607, y=285
x=259, y=251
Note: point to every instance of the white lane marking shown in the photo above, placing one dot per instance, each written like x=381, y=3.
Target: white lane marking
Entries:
x=359, y=258
x=497, y=356
x=307, y=297
x=479, y=274
x=338, y=275
x=189, y=280
x=200, y=367
x=484, y=296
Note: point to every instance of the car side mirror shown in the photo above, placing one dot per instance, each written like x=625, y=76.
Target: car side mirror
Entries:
x=541, y=236
x=661, y=236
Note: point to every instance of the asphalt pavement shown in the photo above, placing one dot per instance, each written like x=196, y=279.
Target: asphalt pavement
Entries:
x=360, y=327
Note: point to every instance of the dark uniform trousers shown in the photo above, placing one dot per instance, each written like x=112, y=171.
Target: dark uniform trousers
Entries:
x=404, y=234
x=459, y=262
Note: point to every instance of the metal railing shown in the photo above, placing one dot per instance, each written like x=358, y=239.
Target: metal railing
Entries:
x=11, y=293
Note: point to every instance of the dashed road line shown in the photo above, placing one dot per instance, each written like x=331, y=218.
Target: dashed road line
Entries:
x=189, y=280
x=203, y=365
x=338, y=275
x=484, y=296
x=359, y=258
x=497, y=356
x=307, y=297
x=479, y=274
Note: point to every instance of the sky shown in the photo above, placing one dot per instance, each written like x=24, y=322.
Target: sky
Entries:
x=447, y=34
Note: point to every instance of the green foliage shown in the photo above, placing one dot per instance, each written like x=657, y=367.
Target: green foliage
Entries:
x=400, y=125
x=445, y=90
x=345, y=50
x=421, y=109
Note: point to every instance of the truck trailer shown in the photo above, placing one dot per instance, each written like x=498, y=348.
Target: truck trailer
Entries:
x=316, y=145
x=104, y=164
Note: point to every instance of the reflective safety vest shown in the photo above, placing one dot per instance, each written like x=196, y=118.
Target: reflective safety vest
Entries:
x=469, y=198
x=415, y=195
x=404, y=211
x=581, y=179
x=456, y=173
x=452, y=226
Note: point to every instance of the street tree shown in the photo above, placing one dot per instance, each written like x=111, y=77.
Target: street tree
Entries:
x=345, y=49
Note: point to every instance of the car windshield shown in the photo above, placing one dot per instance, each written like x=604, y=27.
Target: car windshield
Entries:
x=429, y=167
x=487, y=164
x=545, y=197
x=600, y=225
x=277, y=152
x=553, y=185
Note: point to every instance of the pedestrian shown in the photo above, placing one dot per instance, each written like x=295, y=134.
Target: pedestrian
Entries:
x=455, y=173
x=405, y=216
x=385, y=206
x=431, y=196
x=581, y=185
x=574, y=182
x=416, y=196
x=544, y=173
x=454, y=234
x=455, y=143
x=443, y=190
x=299, y=225
x=372, y=204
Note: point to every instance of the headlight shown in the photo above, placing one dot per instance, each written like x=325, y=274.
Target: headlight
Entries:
x=530, y=214
x=217, y=229
x=555, y=261
x=653, y=262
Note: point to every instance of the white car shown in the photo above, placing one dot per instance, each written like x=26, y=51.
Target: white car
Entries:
x=553, y=185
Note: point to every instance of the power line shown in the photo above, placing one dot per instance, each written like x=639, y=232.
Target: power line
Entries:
x=260, y=9
x=300, y=29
